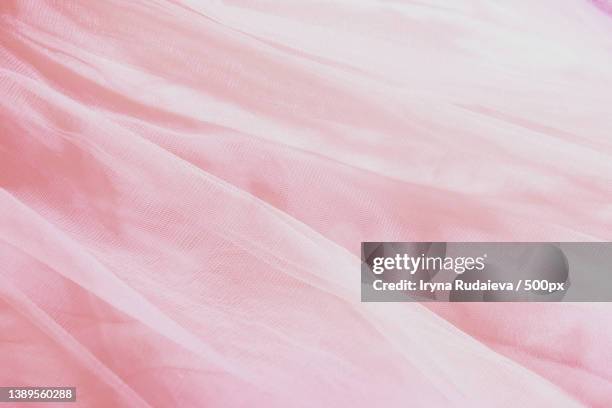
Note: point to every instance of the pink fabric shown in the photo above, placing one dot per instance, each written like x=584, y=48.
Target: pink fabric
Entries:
x=184, y=186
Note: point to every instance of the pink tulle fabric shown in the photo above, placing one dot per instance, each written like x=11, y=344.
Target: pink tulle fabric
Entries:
x=184, y=186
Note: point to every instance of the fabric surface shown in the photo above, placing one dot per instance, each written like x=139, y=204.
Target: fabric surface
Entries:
x=184, y=186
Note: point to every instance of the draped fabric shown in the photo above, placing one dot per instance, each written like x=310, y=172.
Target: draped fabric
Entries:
x=184, y=186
